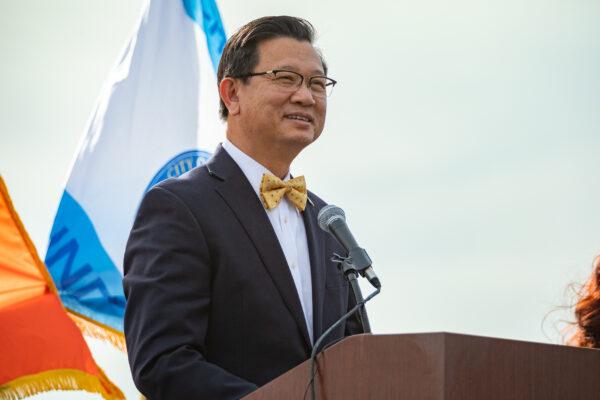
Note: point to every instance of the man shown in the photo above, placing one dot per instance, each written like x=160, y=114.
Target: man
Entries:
x=228, y=278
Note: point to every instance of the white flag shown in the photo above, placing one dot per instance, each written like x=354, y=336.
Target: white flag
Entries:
x=156, y=117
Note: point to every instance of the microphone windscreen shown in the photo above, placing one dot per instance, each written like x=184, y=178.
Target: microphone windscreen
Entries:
x=328, y=214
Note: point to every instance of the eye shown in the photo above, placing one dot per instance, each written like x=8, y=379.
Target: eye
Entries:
x=286, y=78
x=318, y=84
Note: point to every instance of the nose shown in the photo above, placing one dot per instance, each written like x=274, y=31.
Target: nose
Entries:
x=303, y=95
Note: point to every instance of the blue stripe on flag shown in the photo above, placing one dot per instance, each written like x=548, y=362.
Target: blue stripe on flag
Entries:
x=206, y=14
x=87, y=280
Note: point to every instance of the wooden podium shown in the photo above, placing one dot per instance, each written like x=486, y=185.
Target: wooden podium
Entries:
x=442, y=366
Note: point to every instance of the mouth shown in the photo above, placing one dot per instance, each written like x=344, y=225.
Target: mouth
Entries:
x=300, y=117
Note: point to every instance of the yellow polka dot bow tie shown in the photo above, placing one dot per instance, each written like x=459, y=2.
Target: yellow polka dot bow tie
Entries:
x=272, y=190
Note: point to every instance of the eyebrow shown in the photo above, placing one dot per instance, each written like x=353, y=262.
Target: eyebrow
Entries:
x=313, y=72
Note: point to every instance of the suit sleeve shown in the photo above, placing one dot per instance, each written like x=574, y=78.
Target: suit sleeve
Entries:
x=353, y=324
x=167, y=286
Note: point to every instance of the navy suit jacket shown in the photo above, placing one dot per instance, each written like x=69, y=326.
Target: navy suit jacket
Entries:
x=212, y=310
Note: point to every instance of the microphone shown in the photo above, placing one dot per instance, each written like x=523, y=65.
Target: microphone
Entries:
x=332, y=219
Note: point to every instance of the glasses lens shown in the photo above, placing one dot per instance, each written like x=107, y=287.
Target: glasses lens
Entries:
x=318, y=86
x=321, y=86
x=287, y=79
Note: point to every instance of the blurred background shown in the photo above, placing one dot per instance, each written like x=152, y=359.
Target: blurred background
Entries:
x=462, y=141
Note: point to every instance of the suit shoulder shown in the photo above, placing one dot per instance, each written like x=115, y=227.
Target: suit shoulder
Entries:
x=192, y=184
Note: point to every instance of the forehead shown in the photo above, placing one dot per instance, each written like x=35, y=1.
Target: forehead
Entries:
x=288, y=53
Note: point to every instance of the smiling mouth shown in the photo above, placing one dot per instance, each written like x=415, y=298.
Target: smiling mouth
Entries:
x=299, y=118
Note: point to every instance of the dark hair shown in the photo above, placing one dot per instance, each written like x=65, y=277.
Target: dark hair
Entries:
x=240, y=55
x=587, y=312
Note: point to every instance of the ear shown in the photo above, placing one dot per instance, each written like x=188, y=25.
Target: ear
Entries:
x=228, y=90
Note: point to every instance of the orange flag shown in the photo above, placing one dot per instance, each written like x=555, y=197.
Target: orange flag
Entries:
x=41, y=348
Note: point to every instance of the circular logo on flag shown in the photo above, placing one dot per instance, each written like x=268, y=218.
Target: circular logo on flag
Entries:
x=179, y=164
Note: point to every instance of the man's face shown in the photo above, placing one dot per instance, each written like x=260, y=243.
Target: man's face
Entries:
x=274, y=117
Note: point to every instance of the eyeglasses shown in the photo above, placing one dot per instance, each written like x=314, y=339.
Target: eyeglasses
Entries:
x=319, y=86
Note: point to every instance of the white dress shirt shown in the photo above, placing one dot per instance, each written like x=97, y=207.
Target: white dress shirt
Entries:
x=289, y=227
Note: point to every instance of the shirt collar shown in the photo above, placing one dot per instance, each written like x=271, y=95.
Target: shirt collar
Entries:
x=251, y=168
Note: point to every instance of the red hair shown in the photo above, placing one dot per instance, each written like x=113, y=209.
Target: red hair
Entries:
x=587, y=312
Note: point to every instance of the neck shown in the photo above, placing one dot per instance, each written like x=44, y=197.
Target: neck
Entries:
x=276, y=160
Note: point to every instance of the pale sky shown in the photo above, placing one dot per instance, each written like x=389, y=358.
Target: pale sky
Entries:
x=462, y=141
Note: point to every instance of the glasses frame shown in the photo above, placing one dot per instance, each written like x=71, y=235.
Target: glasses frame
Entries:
x=328, y=81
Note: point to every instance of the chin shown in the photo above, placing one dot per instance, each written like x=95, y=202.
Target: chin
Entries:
x=304, y=138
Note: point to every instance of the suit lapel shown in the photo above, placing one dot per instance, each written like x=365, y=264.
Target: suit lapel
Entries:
x=239, y=195
x=317, y=267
